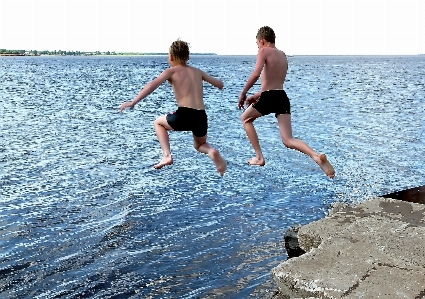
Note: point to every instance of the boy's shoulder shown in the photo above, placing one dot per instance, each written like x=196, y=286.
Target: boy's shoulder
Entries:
x=270, y=50
x=185, y=70
x=192, y=69
x=273, y=53
x=183, y=66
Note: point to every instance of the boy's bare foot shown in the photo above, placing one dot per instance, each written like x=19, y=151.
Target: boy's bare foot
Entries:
x=163, y=162
x=219, y=161
x=325, y=165
x=257, y=162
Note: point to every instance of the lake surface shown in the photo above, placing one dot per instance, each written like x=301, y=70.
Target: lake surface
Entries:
x=83, y=214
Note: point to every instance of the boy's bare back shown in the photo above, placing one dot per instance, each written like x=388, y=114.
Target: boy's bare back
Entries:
x=188, y=87
x=275, y=67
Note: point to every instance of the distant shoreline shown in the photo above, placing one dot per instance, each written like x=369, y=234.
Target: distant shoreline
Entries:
x=4, y=52
x=113, y=54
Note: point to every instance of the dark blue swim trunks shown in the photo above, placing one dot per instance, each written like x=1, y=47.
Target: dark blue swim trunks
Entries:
x=189, y=119
x=273, y=101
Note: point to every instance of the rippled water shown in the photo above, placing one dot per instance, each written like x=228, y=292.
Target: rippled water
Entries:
x=84, y=215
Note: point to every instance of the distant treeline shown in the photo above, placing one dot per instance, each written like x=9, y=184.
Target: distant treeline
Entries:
x=4, y=52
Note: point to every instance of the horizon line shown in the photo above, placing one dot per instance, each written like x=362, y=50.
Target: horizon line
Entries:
x=7, y=52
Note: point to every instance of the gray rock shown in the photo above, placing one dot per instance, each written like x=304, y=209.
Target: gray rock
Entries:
x=375, y=249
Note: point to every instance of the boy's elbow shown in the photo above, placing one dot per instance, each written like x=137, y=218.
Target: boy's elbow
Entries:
x=220, y=85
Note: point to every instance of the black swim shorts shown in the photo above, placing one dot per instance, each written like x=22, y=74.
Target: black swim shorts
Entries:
x=189, y=119
x=273, y=101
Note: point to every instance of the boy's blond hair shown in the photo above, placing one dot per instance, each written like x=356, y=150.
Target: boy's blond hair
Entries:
x=180, y=50
x=267, y=34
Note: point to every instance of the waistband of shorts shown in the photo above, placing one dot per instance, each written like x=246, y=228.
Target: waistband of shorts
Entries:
x=190, y=109
x=281, y=90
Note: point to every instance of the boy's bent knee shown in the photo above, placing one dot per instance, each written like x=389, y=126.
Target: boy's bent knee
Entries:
x=162, y=121
x=158, y=120
x=247, y=119
x=198, y=143
x=288, y=143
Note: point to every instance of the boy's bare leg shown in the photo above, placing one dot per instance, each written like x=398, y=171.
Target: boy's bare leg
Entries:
x=201, y=145
x=248, y=118
x=161, y=127
x=285, y=128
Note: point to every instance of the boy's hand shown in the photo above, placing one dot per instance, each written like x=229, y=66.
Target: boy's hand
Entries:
x=126, y=105
x=241, y=101
x=251, y=100
x=220, y=85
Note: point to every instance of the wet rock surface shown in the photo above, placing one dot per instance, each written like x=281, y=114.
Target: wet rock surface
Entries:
x=416, y=195
x=375, y=249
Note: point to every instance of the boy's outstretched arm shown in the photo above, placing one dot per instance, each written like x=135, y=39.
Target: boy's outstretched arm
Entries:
x=148, y=89
x=261, y=59
x=213, y=81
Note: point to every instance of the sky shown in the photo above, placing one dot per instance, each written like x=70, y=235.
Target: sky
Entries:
x=314, y=27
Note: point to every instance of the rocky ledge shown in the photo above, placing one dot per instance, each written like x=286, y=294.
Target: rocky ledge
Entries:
x=375, y=249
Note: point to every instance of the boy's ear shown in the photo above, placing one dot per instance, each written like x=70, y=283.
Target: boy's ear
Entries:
x=172, y=57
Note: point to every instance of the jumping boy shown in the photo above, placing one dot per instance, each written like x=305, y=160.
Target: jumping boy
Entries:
x=190, y=115
x=272, y=65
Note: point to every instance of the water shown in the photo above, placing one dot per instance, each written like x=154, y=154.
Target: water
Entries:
x=84, y=215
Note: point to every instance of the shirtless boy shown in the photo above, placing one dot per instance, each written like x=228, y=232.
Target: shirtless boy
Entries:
x=190, y=115
x=272, y=65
